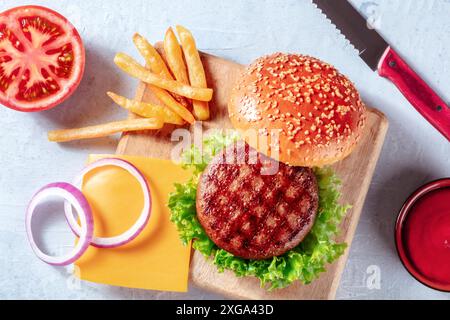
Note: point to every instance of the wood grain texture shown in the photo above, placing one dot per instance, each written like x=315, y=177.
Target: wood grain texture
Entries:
x=355, y=172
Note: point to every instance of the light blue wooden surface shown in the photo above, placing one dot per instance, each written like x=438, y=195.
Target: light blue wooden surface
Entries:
x=414, y=152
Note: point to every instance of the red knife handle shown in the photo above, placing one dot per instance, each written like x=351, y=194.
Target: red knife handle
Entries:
x=418, y=93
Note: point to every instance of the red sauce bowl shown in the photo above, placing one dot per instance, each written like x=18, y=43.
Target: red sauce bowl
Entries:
x=422, y=234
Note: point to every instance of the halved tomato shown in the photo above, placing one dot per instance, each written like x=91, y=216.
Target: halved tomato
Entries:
x=41, y=58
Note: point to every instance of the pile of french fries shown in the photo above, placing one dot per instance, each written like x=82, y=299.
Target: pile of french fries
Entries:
x=177, y=79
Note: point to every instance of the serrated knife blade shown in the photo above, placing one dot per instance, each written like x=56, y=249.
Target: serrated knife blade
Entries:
x=368, y=42
x=380, y=56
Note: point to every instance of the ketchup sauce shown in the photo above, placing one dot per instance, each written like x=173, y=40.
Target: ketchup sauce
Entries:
x=423, y=234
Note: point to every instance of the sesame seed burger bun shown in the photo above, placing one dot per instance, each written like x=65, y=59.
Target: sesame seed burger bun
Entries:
x=316, y=110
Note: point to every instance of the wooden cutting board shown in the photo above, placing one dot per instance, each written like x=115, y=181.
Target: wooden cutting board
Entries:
x=355, y=172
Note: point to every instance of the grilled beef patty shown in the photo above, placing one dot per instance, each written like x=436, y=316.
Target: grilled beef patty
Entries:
x=251, y=214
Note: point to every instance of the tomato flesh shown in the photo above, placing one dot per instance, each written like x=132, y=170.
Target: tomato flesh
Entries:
x=41, y=58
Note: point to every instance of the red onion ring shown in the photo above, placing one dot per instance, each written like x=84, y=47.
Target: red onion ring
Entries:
x=73, y=196
x=141, y=222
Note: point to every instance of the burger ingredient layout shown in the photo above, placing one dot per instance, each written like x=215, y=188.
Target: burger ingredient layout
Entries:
x=279, y=226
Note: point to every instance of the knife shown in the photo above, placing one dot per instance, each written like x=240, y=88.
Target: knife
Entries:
x=381, y=57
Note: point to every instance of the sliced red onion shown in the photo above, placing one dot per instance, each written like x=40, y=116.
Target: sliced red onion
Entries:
x=75, y=198
x=139, y=225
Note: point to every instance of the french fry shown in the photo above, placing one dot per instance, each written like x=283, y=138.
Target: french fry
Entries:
x=196, y=71
x=152, y=58
x=134, y=69
x=147, y=110
x=104, y=130
x=174, y=57
x=156, y=63
x=173, y=104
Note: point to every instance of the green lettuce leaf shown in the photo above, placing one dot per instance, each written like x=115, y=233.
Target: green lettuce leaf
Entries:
x=303, y=263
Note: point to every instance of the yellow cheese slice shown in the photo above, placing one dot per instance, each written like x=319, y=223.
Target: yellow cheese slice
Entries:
x=156, y=259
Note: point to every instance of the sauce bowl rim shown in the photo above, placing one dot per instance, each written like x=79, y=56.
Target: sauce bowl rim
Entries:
x=402, y=218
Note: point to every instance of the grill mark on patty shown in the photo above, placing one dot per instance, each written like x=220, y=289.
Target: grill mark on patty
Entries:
x=269, y=216
x=251, y=215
